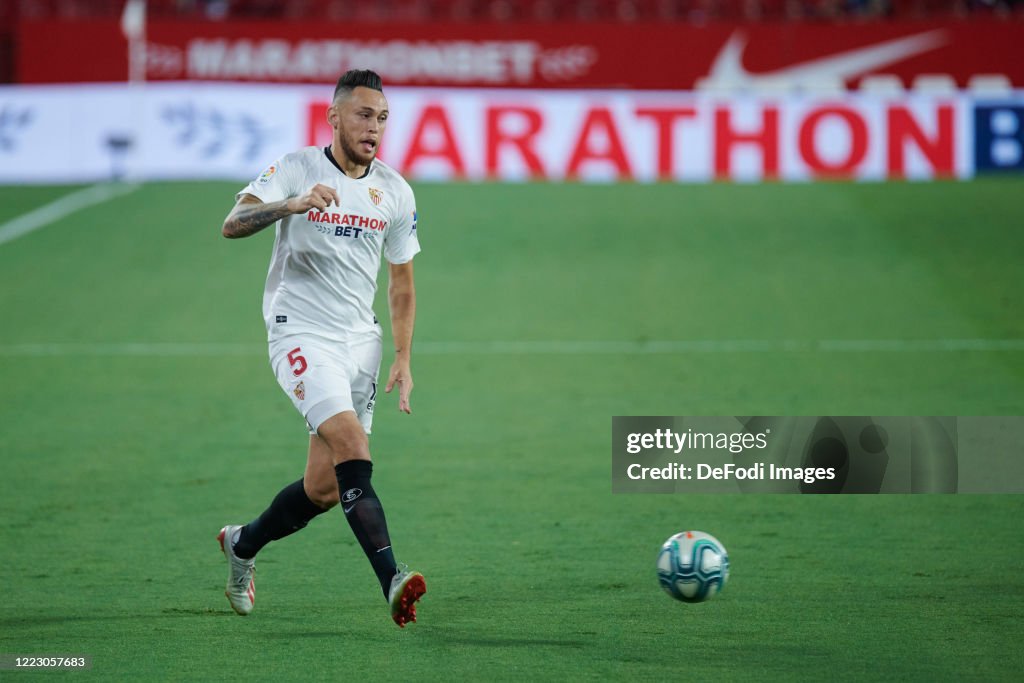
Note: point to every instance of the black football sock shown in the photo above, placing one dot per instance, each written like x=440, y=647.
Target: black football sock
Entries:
x=366, y=517
x=290, y=511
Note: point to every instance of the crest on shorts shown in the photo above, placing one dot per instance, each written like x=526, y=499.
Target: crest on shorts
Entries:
x=376, y=196
x=300, y=391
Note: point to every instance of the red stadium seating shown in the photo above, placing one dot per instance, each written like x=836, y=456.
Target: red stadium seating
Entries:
x=693, y=11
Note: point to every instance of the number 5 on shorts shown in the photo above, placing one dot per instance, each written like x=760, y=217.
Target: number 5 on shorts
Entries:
x=296, y=360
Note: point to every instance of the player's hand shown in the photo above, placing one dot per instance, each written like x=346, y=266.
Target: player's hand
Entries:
x=318, y=197
x=402, y=376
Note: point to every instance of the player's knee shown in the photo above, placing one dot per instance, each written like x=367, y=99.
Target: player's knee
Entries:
x=353, y=449
x=346, y=439
x=323, y=494
x=324, y=498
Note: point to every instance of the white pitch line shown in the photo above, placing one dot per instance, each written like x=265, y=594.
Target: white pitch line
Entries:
x=59, y=208
x=132, y=349
x=921, y=345
x=498, y=348
x=715, y=346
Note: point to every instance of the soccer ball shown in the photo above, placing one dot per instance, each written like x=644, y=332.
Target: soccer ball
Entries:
x=693, y=566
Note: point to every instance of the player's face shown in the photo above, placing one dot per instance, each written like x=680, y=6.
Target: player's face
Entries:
x=359, y=121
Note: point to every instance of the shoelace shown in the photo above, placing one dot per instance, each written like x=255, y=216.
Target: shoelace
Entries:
x=245, y=575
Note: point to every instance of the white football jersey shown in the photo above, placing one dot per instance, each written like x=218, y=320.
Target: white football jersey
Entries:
x=323, y=272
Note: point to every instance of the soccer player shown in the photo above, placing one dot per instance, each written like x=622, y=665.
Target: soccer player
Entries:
x=337, y=209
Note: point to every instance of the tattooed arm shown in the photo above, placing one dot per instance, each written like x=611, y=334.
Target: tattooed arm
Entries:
x=250, y=215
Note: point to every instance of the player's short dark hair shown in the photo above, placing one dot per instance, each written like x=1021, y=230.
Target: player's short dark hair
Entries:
x=355, y=78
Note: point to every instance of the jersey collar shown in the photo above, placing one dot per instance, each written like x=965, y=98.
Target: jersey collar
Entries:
x=330, y=157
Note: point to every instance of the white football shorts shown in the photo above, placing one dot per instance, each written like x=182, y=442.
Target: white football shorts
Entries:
x=324, y=377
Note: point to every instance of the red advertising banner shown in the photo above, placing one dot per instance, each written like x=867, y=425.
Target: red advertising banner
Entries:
x=633, y=56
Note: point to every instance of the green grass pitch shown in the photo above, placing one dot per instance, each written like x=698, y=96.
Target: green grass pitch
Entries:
x=118, y=464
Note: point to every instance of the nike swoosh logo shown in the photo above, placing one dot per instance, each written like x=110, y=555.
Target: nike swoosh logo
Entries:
x=348, y=509
x=727, y=71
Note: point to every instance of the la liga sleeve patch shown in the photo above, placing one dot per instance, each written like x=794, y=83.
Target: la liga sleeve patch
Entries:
x=267, y=174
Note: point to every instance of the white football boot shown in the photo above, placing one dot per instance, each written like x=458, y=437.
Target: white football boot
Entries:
x=406, y=588
x=241, y=588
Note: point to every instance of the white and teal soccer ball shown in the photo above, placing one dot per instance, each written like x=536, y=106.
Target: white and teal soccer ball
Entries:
x=693, y=566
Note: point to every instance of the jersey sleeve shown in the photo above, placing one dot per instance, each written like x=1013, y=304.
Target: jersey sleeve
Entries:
x=275, y=183
x=401, y=242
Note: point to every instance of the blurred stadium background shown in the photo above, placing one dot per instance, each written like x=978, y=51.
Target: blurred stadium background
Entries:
x=627, y=207
x=691, y=11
